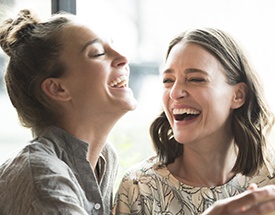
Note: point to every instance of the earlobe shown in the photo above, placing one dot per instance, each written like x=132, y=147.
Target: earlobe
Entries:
x=54, y=90
x=240, y=95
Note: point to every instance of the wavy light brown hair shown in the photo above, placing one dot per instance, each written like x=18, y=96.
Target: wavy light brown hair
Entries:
x=251, y=123
x=34, y=50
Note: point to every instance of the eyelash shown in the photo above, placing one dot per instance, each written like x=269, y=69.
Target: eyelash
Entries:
x=196, y=80
x=165, y=81
x=98, y=55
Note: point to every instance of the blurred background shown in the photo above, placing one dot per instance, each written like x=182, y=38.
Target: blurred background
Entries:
x=142, y=30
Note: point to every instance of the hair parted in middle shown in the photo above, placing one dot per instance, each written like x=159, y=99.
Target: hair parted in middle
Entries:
x=251, y=122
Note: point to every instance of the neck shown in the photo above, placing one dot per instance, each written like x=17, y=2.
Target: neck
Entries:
x=206, y=168
x=94, y=132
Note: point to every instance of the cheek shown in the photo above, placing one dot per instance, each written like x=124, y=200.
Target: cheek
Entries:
x=165, y=95
x=165, y=105
x=217, y=109
x=165, y=100
x=94, y=75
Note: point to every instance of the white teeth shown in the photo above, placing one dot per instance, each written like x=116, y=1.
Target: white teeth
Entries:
x=185, y=111
x=118, y=81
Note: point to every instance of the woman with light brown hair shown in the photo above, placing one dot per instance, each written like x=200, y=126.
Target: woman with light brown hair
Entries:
x=211, y=140
x=70, y=86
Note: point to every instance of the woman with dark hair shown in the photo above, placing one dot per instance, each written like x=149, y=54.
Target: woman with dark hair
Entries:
x=211, y=139
x=70, y=86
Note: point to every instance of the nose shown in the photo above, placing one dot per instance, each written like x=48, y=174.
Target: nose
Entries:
x=178, y=91
x=119, y=59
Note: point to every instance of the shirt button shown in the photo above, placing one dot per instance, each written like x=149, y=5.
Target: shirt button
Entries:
x=97, y=206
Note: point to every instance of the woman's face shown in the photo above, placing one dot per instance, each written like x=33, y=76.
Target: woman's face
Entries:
x=197, y=100
x=96, y=74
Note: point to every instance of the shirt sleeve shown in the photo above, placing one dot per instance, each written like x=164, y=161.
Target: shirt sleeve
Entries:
x=57, y=195
x=56, y=189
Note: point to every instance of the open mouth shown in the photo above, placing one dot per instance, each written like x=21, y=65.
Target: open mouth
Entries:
x=185, y=114
x=119, y=82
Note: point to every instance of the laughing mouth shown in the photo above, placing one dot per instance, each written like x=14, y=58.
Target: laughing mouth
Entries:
x=185, y=114
x=119, y=82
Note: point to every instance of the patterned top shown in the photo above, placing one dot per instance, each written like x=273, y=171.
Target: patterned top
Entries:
x=51, y=175
x=150, y=189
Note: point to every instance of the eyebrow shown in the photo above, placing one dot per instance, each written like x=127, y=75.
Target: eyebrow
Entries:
x=187, y=71
x=90, y=43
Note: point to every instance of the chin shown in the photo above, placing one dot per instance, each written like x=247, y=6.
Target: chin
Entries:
x=130, y=105
x=129, y=102
x=181, y=139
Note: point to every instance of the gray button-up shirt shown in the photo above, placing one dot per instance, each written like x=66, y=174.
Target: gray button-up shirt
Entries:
x=51, y=175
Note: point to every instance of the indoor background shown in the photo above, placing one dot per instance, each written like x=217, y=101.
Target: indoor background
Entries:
x=142, y=30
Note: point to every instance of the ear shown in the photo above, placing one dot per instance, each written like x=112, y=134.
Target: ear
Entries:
x=54, y=89
x=240, y=94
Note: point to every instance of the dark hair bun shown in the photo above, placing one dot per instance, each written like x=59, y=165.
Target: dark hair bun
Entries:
x=14, y=31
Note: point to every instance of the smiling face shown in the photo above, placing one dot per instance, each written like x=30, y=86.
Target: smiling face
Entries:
x=96, y=75
x=197, y=100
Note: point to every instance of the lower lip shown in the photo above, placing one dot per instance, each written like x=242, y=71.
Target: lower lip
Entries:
x=125, y=90
x=120, y=88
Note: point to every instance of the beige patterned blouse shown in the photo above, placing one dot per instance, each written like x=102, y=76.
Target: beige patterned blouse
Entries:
x=150, y=189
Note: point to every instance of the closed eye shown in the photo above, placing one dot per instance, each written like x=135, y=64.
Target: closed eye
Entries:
x=98, y=55
x=198, y=80
x=166, y=81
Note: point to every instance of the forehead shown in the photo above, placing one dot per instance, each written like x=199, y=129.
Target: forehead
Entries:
x=190, y=52
x=76, y=39
x=76, y=33
x=191, y=55
x=75, y=36
x=189, y=48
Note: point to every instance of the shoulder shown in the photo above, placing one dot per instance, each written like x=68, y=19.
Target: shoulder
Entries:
x=35, y=153
x=109, y=152
x=146, y=172
x=35, y=172
x=142, y=168
x=34, y=161
x=139, y=188
x=265, y=176
x=40, y=157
